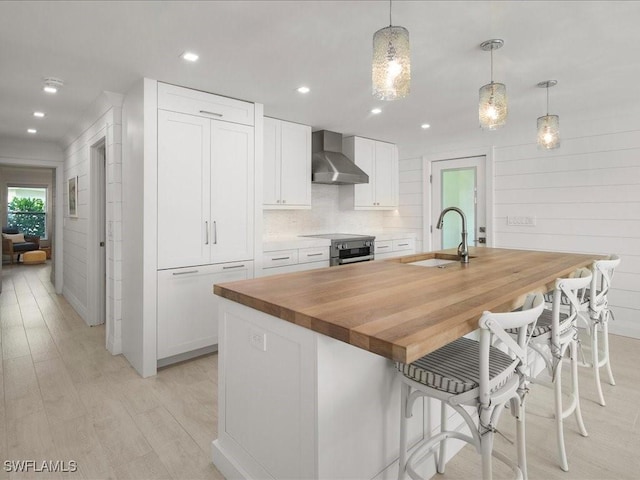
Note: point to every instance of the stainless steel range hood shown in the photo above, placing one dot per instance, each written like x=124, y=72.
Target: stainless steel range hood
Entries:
x=329, y=165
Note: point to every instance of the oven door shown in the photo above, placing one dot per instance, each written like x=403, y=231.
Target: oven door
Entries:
x=353, y=255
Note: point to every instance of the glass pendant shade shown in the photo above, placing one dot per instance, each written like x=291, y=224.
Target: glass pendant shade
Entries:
x=391, y=65
x=492, y=108
x=549, y=131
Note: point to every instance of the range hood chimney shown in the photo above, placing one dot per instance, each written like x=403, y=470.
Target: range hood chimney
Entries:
x=329, y=165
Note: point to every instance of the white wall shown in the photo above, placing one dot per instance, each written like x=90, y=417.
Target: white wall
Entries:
x=102, y=120
x=585, y=197
x=325, y=216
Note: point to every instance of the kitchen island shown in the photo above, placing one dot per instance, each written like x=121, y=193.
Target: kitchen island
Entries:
x=307, y=385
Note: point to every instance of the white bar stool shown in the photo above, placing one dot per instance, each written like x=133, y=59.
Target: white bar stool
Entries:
x=598, y=314
x=470, y=373
x=555, y=334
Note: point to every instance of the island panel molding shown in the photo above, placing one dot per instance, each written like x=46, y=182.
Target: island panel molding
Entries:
x=402, y=311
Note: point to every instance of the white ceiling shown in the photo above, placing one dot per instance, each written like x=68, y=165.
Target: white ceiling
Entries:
x=262, y=51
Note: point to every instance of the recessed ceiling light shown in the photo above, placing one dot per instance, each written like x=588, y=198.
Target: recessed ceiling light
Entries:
x=52, y=84
x=376, y=111
x=32, y=130
x=190, y=56
x=425, y=126
x=38, y=114
x=304, y=89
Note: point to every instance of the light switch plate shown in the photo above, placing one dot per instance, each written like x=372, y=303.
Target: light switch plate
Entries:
x=521, y=220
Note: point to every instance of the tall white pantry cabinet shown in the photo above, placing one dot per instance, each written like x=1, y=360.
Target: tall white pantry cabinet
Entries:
x=189, y=172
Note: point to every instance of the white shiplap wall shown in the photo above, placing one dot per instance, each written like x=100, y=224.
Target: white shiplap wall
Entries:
x=408, y=217
x=585, y=198
x=78, y=268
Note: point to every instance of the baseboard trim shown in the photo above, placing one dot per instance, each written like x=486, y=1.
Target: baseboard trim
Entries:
x=76, y=304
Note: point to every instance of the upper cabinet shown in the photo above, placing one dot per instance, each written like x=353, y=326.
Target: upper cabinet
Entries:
x=380, y=161
x=287, y=165
x=205, y=189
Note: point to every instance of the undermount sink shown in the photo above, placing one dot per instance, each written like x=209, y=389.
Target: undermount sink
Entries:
x=432, y=262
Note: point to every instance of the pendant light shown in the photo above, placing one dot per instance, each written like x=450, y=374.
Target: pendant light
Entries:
x=548, y=125
x=492, y=108
x=391, y=65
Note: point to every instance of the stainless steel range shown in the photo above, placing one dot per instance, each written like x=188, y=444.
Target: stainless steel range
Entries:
x=348, y=248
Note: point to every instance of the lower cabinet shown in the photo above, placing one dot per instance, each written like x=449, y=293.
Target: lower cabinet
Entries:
x=294, y=260
x=394, y=248
x=187, y=307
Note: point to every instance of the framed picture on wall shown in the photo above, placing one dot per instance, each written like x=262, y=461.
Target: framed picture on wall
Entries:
x=72, y=189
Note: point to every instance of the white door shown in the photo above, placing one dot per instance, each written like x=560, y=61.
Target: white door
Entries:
x=458, y=183
x=364, y=153
x=271, y=162
x=386, y=171
x=232, y=192
x=184, y=143
x=296, y=165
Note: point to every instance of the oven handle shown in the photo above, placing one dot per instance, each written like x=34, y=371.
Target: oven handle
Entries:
x=355, y=259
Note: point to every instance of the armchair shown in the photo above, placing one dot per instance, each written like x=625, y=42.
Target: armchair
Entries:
x=15, y=243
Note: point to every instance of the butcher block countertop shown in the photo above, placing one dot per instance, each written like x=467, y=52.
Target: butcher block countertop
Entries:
x=403, y=311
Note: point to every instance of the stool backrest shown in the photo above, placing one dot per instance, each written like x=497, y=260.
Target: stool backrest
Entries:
x=495, y=324
x=603, y=271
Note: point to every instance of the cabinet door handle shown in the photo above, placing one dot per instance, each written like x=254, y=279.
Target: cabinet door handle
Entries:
x=403, y=244
x=382, y=246
x=211, y=113
x=232, y=266
x=215, y=233
x=185, y=273
x=206, y=233
x=280, y=258
x=314, y=254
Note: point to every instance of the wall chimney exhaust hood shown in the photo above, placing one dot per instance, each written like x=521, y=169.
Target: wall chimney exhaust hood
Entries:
x=329, y=165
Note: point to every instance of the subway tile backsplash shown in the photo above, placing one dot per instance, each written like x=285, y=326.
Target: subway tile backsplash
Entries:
x=325, y=216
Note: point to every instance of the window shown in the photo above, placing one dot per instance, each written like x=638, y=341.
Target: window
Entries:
x=27, y=210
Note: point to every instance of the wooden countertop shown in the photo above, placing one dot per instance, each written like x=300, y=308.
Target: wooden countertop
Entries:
x=403, y=311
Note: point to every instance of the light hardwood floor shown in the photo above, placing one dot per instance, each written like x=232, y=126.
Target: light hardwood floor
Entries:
x=64, y=397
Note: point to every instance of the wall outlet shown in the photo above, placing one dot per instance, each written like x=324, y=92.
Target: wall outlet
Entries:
x=258, y=339
x=521, y=220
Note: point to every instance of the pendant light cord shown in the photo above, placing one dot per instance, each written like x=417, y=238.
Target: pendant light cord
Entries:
x=492, y=64
x=390, y=23
x=547, y=100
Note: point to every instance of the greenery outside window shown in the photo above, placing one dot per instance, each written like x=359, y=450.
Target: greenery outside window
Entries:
x=27, y=210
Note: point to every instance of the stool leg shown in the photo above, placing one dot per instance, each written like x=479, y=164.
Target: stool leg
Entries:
x=442, y=458
x=557, y=390
x=605, y=343
x=517, y=407
x=595, y=360
x=402, y=460
x=486, y=447
x=573, y=350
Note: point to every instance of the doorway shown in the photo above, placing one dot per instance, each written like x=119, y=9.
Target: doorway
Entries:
x=97, y=238
x=458, y=182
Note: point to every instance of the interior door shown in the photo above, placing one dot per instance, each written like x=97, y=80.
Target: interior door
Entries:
x=458, y=183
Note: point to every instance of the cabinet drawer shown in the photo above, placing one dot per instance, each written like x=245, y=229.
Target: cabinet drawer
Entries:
x=195, y=102
x=307, y=255
x=384, y=246
x=279, y=258
x=404, y=244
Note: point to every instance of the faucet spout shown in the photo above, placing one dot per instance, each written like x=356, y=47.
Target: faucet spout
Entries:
x=463, y=248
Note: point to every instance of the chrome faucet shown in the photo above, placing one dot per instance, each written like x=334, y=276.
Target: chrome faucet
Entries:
x=463, y=248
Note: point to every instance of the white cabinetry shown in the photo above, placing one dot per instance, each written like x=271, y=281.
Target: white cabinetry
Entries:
x=287, y=165
x=294, y=260
x=187, y=307
x=205, y=194
x=380, y=161
x=394, y=248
